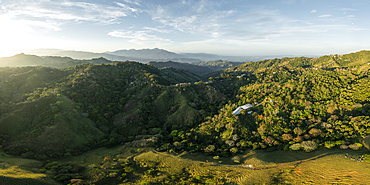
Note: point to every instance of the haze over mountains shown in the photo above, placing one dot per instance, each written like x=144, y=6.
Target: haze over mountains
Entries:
x=145, y=55
x=72, y=58
x=129, y=109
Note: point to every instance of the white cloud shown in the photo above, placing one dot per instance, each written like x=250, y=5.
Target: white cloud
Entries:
x=30, y=24
x=313, y=11
x=133, y=2
x=138, y=37
x=158, y=30
x=288, y=1
x=127, y=7
x=347, y=9
x=54, y=11
x=199, y=17
x=325, y=15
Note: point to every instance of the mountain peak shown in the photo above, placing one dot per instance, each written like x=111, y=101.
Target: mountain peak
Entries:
x=154, y=53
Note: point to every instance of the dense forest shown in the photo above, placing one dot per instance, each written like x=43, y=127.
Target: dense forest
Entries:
x=300, y=103
x=297, y=104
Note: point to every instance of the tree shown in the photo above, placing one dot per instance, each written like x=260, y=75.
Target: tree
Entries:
x=210, y=148
x=298, y=139
x=355, y=146
x=296, y=146
x=287, y=137
x=315, y=132
x=309, y=146
x=298, y=131
x=234, y=150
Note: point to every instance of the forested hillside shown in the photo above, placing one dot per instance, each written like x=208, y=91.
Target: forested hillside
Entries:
x=297, y=104
x=198, y=68
x=115, y=102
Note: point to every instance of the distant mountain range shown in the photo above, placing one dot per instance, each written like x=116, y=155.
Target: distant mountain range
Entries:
x=198, y=68
x=21, y=60
x=145, y=55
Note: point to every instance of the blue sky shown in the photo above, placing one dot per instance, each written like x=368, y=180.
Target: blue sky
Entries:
x=226, y=27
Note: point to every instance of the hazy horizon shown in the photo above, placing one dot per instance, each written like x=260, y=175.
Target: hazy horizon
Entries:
x=231, y=28
x=36, y=52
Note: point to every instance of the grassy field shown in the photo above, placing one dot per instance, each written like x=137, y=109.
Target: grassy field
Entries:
x=15, y=170
x=324, y=166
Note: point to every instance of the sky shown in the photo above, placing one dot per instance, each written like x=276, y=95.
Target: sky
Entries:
x=225, y=27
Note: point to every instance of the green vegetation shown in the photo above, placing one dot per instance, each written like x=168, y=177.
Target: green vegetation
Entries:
x=167, y=126
x=221, y=64
x=198, y=68
x=297, y=108
x=22, y=60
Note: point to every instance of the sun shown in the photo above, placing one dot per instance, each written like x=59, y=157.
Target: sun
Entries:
x=15, y=36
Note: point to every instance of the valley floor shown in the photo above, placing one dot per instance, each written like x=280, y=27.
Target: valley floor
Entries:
x=324, y=166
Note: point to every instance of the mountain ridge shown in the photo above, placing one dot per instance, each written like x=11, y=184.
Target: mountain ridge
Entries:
x=146, y=55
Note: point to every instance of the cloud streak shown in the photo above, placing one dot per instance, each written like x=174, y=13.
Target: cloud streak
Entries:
x=56, y=13
x=138, y=37
x=325, y=15
x=200, y=17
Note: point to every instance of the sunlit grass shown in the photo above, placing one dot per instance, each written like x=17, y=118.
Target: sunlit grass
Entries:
x=324, y=166
x=16, y=172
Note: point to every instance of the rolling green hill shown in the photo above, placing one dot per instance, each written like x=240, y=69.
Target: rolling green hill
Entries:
x=22, y=60
x=299, y=103
x=180, y=75
x=329, y=61
x=220, y=64
x=198, y=70
x=93, y=105
x=146, y=115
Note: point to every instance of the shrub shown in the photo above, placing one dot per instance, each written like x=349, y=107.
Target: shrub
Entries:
x=339, y=143
x=298, y=131
x=343, y=147
x=262, y=145
x=359, y=145
x=329, y=144
x=178, y=145
x=154, y=131
x=234, y=150
x=255, y=145
x=164, y=147
x=287, y=137
x=296, y=146
x=315, y=132
x=298, y=139
x=235, y=137
x=244, y=143
x=230, y=142
x=268, y=140
x=355, y=146
x=210, y=148
x=236, y=159
x=309, y=146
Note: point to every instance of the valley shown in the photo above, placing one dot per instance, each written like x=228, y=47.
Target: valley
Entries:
x=68, y=121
